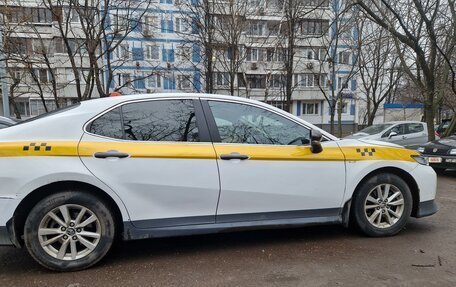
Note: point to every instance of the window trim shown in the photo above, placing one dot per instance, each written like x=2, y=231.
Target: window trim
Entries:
x=214, y=133
x=203, y=130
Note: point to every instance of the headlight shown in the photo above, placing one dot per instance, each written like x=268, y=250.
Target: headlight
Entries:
x=420, y=159
x=453, y=151
x=420, y=149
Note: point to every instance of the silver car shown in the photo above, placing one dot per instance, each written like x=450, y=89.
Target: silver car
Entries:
x=405, y=133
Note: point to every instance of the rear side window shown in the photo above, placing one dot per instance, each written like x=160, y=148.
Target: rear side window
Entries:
x=415, y=128
x=108, y=125
x=165, y=120
x=170, y=120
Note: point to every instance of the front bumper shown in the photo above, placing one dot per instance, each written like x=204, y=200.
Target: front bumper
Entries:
x=447, y=161
x=427, y=208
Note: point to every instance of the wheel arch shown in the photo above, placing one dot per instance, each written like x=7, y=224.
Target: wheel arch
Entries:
x=28, y=202
x=346, y=214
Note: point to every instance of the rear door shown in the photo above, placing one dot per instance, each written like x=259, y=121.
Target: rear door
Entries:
x=416, y=134
x=157, y=156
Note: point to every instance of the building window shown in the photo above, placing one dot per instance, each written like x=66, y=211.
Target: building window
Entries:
x=257, y=28
x=30, y=15
x=276, y=55
x=222, y=79
x=276, y=81
x=185, y=53
x=37, y=107
x=182, y=25
x=183, y=82
x=344, y=58
x=254, y=81
x=344, y=107
x=342, y=83
x=310, y=109
x=42, y=75
x=310, y=80
x=152, y=52
x=124, y=80
x=123, y=51
x=313, y=27
x=150, y=25
x=153, y=81
x=254, y=54
x=119, y=23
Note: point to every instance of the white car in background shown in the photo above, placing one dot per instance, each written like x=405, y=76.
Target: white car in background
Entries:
x=147, y=166
x=405, y=133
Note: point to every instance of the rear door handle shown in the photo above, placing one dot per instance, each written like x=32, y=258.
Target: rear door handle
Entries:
x=234, y=155
x=111, y=153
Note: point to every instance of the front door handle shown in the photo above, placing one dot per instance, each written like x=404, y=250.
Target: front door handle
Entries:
x=234, y=155
x=111, y=153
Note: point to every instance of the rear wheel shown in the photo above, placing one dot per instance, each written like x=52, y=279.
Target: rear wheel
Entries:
x=69, y=231
x=382, y=205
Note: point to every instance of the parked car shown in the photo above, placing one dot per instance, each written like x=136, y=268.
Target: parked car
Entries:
x=441, y=153
x=148, y=166
x=405, y=133
x=6, y=122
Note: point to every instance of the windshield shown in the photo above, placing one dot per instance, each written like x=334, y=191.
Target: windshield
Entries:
x=375, y=129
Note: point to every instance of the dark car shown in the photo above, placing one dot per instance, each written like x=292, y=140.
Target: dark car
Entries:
x=6, y=122
x=441, y=154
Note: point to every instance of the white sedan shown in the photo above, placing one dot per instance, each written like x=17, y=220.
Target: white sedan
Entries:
x=148, y=166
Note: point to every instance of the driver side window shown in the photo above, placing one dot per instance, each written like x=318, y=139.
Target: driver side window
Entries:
x=240, y=123
x=399, y=130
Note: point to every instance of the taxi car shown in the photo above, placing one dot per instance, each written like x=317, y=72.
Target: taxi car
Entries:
x=147, y=166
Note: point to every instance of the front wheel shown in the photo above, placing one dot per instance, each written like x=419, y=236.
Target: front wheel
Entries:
x=382, y=205
x=69, y=231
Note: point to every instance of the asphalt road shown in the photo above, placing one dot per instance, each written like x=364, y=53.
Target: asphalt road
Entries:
x=424, y=254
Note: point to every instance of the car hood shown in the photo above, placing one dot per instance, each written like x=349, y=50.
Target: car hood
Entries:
x=448, y=142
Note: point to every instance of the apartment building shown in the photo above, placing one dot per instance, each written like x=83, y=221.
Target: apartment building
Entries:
x=39, y=73
x=158, y=55
x=323, y=68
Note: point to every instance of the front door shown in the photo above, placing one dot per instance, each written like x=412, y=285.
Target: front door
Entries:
x=157, y=156
x=398, y=138
x=267, y=170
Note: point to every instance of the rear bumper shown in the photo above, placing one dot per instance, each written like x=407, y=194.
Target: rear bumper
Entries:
x=427, y=208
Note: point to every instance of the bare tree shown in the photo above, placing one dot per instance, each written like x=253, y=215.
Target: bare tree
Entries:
x=378, y=66
x=416, y=26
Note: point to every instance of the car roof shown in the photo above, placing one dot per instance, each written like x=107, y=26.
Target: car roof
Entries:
x=124, y=98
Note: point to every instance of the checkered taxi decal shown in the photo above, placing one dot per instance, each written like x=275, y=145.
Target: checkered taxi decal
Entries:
x=37, y=147
x=366, y=151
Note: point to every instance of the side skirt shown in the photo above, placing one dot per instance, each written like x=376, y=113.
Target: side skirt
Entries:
x=133, y=233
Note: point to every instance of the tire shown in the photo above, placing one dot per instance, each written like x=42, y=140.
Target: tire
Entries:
x=86, y=235
x=387, y=217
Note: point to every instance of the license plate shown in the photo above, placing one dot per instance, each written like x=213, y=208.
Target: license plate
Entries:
x=435, y=159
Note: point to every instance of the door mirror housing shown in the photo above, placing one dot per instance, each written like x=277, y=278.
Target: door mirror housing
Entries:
x=315, y=141
x=392, y=134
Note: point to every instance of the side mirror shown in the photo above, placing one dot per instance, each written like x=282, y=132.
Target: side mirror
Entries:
x=392, y=134
x=315, y=141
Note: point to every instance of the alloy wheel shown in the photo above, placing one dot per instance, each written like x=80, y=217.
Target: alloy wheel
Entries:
x=384, y=206
x=69, y=232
